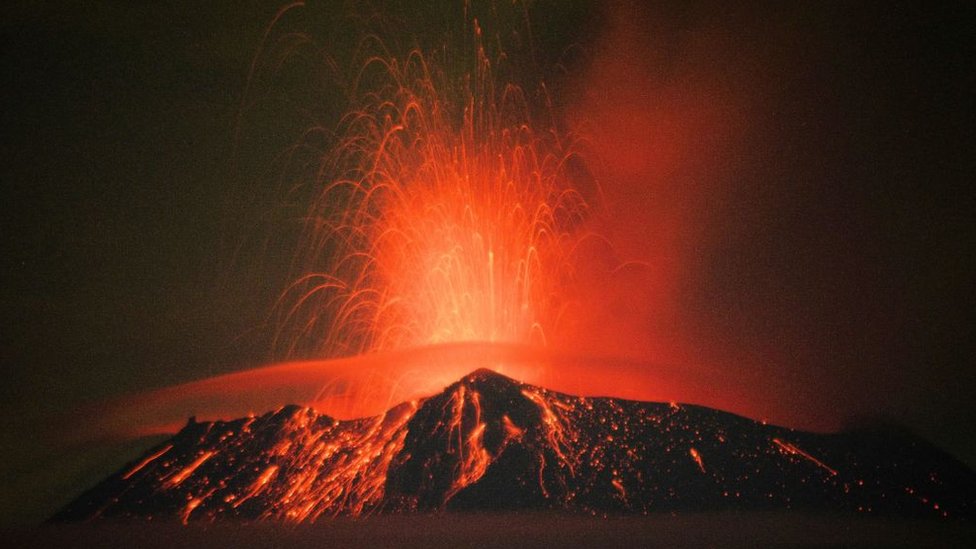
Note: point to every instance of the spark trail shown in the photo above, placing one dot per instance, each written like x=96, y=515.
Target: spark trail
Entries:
x=445, y=212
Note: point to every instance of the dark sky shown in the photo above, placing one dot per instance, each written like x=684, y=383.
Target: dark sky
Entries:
x=831, y=237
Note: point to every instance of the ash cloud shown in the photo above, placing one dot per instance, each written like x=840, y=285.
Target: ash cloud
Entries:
x=788, y=185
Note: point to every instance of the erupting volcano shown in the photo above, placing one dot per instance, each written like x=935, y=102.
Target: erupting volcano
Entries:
x=452, y=213
x=449, y=205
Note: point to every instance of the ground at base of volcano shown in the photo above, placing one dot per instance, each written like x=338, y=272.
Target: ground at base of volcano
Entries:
x=532, y=529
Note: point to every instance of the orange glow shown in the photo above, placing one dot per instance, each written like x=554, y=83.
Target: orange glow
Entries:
x=258, y=485
x=790, y=448
x=444, y=213
x=152, y=457
x=512, y=431
x=190, y=506
x=697, y=457
x=556, y=430
x=619, y=487
x=346, y=474
x=474, y=457
x=179, y=477
x=455, y=225
x=371, y=384
x=593, y=454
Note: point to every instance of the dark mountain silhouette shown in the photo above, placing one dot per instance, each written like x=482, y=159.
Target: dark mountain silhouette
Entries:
x=488, y=442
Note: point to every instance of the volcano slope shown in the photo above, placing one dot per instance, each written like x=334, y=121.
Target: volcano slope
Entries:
x=488, y=442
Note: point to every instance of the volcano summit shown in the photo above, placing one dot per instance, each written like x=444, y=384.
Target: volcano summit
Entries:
x=488, y=442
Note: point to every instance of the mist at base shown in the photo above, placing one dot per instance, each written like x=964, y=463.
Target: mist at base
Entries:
x=367, y=385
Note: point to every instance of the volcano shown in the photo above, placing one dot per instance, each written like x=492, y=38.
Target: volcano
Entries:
x=488, y=442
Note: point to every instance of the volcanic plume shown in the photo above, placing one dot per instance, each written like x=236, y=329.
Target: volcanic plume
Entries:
x=488, y=442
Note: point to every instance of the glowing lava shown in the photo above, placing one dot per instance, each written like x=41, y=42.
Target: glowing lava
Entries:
x=488, y=442
x=444, y=213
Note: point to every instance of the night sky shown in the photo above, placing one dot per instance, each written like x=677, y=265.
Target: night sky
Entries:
x=802, y=177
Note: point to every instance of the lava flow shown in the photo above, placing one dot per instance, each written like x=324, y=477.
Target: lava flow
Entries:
x=488, y=442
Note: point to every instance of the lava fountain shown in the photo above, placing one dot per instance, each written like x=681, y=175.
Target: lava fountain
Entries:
x=445, y=213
